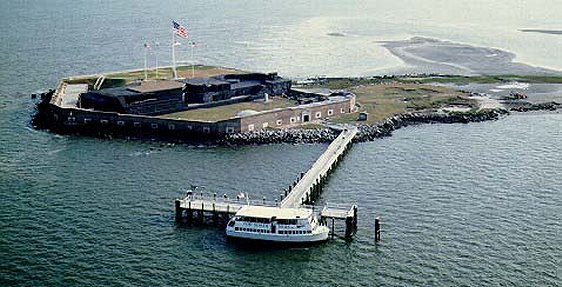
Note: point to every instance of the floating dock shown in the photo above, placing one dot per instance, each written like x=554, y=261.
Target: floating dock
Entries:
x=197, y=206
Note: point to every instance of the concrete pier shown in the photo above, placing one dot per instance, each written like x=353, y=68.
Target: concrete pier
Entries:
x=308, y=188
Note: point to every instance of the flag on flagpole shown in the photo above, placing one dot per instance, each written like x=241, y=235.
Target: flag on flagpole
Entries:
x=180, y=30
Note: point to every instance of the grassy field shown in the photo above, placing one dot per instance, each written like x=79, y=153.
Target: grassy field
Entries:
x=230, y=111
x=462, y=80
x=382, y=101
x=347, y=83
x=199, y=71
x=123, y=78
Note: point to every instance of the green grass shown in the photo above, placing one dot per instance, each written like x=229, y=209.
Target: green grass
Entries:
x=383, y=101
x=485, y=79
x=122, y=78
x=229, y=111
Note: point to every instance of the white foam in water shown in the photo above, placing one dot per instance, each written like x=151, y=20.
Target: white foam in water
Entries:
x=514, y=85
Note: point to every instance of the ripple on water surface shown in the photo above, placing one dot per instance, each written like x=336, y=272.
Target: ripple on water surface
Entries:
x=475, y=204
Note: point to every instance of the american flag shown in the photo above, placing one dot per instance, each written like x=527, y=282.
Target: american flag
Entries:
x=180, y=30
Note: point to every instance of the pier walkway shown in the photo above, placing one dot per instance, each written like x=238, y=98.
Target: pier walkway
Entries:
x=307, y=188
x=301, y=194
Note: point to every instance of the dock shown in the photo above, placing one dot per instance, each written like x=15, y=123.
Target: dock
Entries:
x=308, y=188
x=197, y=206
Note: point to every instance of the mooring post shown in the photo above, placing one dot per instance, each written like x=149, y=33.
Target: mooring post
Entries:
x=348, y=227
x=178, y=210
x=355, y=217
x=377, y=229
x=189, y=212
x=333, y=225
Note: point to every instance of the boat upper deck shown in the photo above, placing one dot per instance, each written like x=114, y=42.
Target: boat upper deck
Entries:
x=269, y=212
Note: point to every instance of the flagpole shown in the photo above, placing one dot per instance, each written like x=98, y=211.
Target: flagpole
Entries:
x=192, y=62
x=156, y=44
x=174, y=54
x=145, y=62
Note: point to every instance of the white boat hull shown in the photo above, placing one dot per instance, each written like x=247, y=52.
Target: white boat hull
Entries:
x=319, y=236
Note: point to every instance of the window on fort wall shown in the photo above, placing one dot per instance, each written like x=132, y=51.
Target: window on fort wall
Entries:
x=136, y=124
x=171, y=127
x=251, y=128
x=330, y=112
x=265, y=125
x=229, y=130
x=342, y=110
x=279, y=122
x=318, y=115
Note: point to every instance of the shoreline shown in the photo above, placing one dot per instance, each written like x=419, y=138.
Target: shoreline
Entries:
x=458, y=107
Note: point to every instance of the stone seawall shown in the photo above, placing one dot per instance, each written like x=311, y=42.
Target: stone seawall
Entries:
x=107, y=125
x=366, y=132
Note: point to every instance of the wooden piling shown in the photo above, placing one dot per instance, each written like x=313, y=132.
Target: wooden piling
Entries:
x=178, y=210
x=333, y=227
x=348, y=227
x=377, y=229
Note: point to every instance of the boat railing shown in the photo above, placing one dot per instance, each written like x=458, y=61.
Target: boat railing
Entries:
x=207, y=196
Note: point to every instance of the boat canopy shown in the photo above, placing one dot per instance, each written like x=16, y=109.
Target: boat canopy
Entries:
x=277, y=212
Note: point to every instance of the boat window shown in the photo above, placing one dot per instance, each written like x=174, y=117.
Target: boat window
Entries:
x=236, y=228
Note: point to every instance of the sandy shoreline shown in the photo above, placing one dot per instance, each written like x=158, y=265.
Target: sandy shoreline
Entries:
x=428, y=55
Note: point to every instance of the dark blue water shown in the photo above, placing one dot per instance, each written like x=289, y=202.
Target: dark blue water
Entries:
x=462, y=205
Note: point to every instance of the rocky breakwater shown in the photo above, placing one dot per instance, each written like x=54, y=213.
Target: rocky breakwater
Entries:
x=371, y=132
x=366, y=132
x=294, y=136
x=523, y=106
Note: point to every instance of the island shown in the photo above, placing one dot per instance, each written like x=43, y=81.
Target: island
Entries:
x=226, y=106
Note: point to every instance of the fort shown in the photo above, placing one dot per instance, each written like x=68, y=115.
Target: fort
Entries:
x=225, y=106
x=218, y=104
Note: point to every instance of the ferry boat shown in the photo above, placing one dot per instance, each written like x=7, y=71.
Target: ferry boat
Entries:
x=275, y=224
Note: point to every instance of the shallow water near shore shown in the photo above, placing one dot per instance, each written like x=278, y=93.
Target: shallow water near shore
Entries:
x=463, y=204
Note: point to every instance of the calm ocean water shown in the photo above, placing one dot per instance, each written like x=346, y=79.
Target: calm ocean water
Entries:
x=471, y=205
